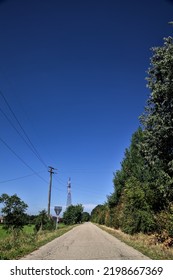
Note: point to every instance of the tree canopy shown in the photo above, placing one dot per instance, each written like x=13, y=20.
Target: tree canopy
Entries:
x=142, y=199
x=73, y=214
x=14, y=212
x=157, y=119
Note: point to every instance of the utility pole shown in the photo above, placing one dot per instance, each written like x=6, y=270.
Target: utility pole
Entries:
x=50, y=188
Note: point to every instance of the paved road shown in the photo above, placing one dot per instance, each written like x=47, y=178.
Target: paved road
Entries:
x=86, y=242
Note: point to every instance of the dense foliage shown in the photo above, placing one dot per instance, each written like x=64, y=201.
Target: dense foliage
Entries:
x=73, y=214
x=43, y=222
x=142, y=199
x=85, y=217
x=14, y=212
x=98, y=214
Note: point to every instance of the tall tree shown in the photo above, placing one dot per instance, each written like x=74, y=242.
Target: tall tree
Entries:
x=133, y=165
x=157, y=119
x=14, y=212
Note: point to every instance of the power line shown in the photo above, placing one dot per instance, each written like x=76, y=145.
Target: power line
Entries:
x=57, y=188
x=17, y=178
x=30, y=145
x=60, y=181
x=78, y=188
x=22, y=160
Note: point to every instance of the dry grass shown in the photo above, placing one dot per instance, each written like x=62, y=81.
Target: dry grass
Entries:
x=146, y=244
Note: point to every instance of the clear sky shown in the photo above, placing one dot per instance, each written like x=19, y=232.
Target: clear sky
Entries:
x=73, y=74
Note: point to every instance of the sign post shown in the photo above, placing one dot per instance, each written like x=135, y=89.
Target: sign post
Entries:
x=58, y=210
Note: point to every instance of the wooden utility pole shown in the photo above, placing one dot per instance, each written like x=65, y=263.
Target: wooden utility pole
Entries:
x=50, y=188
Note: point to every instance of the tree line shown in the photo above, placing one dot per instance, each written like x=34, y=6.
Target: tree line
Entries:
x=142, y=198
x=15, y=216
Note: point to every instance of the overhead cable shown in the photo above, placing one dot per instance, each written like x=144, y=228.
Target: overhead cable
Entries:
x=22, y=160
x=30, y=144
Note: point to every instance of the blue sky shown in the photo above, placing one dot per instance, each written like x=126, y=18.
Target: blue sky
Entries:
x=73, y=73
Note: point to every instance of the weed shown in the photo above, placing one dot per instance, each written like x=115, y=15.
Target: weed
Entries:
x=146, y=244
x=27, y=242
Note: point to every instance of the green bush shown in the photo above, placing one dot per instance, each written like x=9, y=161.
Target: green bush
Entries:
x=137, y=215
x=43, y=222
x=73, y=214
x=164, y=221
x=98, y=214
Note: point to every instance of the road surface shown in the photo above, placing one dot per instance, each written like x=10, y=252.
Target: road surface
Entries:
x=86, y=242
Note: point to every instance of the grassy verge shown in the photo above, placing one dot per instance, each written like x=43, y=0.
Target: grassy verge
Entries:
x=146, y=244
x=26, y=229
x=27, y=242
x=3, y=233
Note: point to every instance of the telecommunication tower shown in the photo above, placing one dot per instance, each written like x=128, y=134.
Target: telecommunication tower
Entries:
x=69, y=193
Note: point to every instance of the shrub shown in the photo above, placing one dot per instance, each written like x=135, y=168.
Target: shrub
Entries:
x=137, y=215
x=43, y=222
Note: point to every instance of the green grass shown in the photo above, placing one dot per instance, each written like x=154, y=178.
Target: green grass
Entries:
x=26, y=229
x=3, y=233
x=14, y=248
x=29, y=229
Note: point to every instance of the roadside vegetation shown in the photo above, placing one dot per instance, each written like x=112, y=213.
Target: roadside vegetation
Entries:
x=21, y=234
x=74, y=215
x=146, y=244
x=27, y=241
x=141, y=203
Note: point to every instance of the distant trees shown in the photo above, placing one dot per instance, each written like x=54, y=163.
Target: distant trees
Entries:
x=142, y=199
x=15, y=217
x=73, y=214
x=98, y=214
x=85, y=217
x=14, y=212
